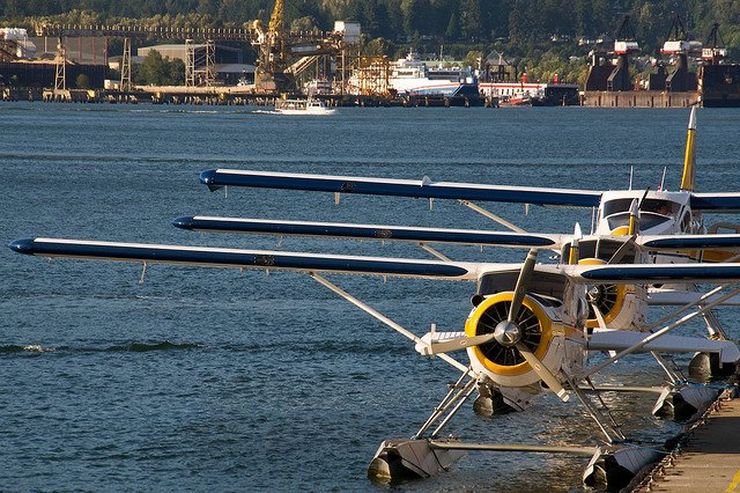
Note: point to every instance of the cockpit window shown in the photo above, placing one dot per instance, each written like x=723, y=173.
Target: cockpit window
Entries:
x=662, y=207
x=658, y=206
x=647, y=220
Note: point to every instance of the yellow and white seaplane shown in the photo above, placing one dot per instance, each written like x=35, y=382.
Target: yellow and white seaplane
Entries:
x=528, y=330
x=628, y=227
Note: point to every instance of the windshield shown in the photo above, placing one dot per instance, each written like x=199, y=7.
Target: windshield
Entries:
x=647, y=220
x=659, y=206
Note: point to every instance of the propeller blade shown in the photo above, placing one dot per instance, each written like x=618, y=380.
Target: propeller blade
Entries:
x=544, y=373
x=522, y=283
x=642, y=199
x=622, y=250
x=599, y=316
x=459, y=343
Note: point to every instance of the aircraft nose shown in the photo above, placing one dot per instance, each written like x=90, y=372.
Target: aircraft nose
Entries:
x=208, y=177
x=183, y=222
x=24, y=246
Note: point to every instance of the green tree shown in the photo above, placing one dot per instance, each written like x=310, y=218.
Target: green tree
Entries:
x=453, y=27
x=474, y=59
x=379, y=46
x=303, y=24
x=415, y=16
x=175, y=72
x=158, y=71
x=470, y=20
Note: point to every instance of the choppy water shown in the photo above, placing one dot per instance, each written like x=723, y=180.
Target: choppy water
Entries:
x=211, y=379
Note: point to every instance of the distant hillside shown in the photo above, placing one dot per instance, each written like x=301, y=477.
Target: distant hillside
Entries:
x=538, y=36
x=520, y=24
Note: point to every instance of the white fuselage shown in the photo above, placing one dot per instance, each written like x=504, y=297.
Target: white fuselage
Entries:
x=661, y=213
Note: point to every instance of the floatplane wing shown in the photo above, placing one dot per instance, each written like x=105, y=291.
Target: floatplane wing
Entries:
x=690, y=242
x=254, y=259
x=371, y=232
x=716, y=202
x=384, y=266
x=424, y=188
x=703, y=248
x=720, y=273
x=711, y=243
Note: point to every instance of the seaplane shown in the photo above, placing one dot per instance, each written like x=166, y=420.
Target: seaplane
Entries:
x=627, y=226
x=528, y=332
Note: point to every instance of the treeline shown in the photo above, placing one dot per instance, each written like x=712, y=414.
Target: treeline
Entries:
x=522, y=23
x=539, y=36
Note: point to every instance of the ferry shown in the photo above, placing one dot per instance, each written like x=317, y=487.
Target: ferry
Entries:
x=308, y=106
x=412, y=77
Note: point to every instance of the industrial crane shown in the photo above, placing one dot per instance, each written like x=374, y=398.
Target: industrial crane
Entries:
x=625, y=44
x=714, y=51
x=679, y=46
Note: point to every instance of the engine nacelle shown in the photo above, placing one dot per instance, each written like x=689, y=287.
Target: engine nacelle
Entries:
x=623, y=306
x=542, y=332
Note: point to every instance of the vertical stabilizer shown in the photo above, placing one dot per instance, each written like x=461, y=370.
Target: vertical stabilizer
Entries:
x=689, y=161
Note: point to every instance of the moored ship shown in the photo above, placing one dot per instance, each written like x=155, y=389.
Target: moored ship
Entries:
x=411, y=76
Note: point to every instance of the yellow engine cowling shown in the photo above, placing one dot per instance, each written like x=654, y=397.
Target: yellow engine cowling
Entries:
x=542, y=332
x=619, y=304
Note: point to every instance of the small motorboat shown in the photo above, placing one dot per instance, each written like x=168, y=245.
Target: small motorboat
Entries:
x=308, y=106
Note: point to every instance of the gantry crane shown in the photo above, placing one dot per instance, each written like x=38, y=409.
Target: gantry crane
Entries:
x=625, y=44
x=714, y=51
x=679, y=46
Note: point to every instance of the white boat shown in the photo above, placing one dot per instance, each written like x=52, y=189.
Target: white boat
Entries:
x=302, y=107
x=411, y=76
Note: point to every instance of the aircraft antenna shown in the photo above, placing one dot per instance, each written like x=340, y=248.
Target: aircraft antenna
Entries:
x=662, y=179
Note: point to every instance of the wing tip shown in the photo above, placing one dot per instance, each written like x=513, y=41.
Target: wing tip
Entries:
x=208, y=178
x=24, y=246
x=184, y=222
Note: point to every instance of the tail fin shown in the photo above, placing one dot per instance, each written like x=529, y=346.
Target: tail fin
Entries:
x=689, y=161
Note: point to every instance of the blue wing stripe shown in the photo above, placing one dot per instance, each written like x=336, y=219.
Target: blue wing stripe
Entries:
x=716, y=202
x=362, y=231
x=216, y=179
x=697, y=272
x=238, y=258
x=698, y=242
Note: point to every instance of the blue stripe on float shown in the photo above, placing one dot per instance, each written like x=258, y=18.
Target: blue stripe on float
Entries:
x=210, y=256
x=215, y=180
x=362, y=231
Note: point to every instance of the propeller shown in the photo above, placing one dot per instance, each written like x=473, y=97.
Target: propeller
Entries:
x=593, y=296
x=458, y=343
x=508, y=333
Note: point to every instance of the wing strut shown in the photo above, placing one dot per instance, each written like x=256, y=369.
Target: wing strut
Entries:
x=387, y=321
x=493, y=217
x=646, y=340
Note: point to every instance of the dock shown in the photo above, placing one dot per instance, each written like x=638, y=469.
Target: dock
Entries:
x=707, y=458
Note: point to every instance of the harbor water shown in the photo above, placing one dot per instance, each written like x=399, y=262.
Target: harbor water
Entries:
x=215, y=379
